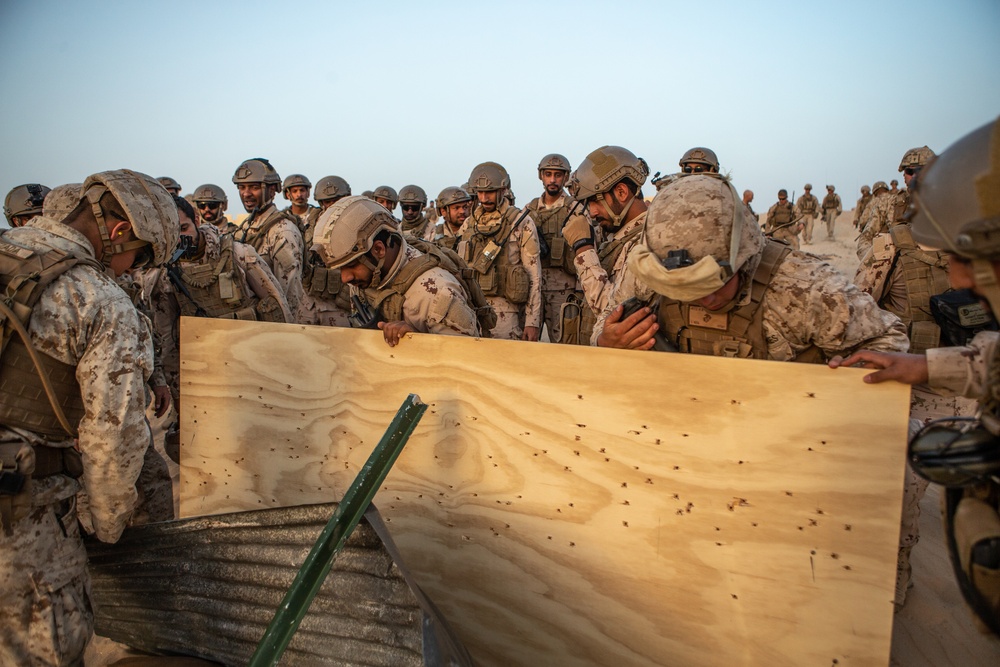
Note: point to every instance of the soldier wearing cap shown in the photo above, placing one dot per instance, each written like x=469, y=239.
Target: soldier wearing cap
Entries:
x=568, y=316
x=500, y=243
x=831, y=209
x=807, y=208
x=24, y=203
x=859, y=208
x=296, y=190
x=329, y=190
x=956, y=207
x=407, y=289
x=609, y=185
x=90, y=434
x=714, y=284
x=210, y=202
x=412, y=200
x=453, y=206
x=275, y=235
x=172, y=186
x=781, y=222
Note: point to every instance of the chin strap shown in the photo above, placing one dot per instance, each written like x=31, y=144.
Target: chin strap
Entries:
x=108, y=247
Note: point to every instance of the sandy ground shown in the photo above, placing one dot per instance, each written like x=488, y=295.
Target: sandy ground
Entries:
x=934, y=628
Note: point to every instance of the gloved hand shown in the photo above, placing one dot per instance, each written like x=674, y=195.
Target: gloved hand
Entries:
x=578, y=232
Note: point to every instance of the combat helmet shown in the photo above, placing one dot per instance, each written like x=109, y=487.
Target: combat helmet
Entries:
x=703, y=156
x=695, y=239
x=879, y=185
x=148, y=206
x=346, y=231
x=169, y=184
x=294, y=180
x=603, y=168
x=413, y=194
x=61, y=201
x=916, y=158
x=554, y=161
x=388, y=194
x=865, y=190
x=487, y=177
x=210, y=193
x=331, y=187
x=256, y=170
x=807, y=186
x=24, y=200
x=451, y=195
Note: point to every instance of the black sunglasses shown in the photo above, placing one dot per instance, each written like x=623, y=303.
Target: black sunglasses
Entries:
x=208, y=204
x=411, y=207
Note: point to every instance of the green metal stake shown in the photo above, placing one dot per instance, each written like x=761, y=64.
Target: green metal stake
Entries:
x=349, y=512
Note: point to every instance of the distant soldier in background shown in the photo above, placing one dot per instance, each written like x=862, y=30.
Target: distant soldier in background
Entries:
x=564, y=304
x=275, y=235
x=210, y=203
x=859, y=208
x=807, y=208
x=431, y=212
x=876, y=217
x=747, y=199
x=500, y=243
x=388, y=197
x=24, y=203
x=412, y=200
x=296, y=190
x=329, y=190
x=831, y=209
x=369, y=194
x=699, y=160
x=894, y=187
x=781, y=222
x=172, y=186
x=609, y=185
x=453, y=205
x=913, y=161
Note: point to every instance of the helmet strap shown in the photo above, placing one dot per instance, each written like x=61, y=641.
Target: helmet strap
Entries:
x=617, y=220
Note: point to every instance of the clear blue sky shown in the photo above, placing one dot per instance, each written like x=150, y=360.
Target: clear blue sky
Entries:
x=404, y=92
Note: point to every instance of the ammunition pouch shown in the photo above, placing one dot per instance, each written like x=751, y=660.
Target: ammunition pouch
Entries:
x=576, y=321
x=20, y=463
x=268, y=309
x=516, y=284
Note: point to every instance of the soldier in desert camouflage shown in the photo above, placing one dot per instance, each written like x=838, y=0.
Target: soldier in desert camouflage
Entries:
x=753, y=298
x=876, y=217
x=24, y=203
x=296, y=190
x=859, y=208
x=388, y=197
x=572, y=323
x=92, y=341
x=275, y=235
x=326, y=300
x=329, y=190
x=781, y=222
x=407, y=289
x=500, y=243
x=609, y=185
x=412, y=200
x=453, y=206
x=807, y=208
x=210, y=202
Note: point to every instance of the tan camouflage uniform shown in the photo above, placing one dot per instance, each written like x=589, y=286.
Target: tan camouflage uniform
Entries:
x=875, y=220
x=522, y=248
x=781, y=214
x=558, y=285
x=831, y=209
x=83, y=319
x=319, y=305
x=435, y=302
x=808, y=208
x=282, y=247
x=597, y=283
x=859, y=209
x=421, y=228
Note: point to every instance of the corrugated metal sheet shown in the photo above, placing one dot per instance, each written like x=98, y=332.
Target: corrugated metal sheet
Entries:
x=209, y=586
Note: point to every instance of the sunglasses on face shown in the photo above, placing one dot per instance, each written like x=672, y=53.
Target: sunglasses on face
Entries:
x=209, y=205
x=693, y=169
x=910, y=171
x=410, y=207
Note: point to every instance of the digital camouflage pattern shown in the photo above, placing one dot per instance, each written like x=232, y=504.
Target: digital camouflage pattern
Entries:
x=61, y=200
x=875, y=220
x=859, y=208
x=281, y=246
x=83, y=319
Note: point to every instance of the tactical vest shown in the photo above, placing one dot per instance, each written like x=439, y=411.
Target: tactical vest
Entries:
x=485, y=253
x=737, y=333
x=388, y=301
x=256, y=237
x=219, y=290
x=609, y=251
x=443, y=241
x=782, y=215
x=24, y=401
x=550, y=222
x=808, y=204
x=863, y=204
x=830, y=201
x=925, y=274
x=325, y=284
x=417, y=228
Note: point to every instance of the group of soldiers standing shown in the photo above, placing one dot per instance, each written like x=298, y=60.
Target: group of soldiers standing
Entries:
x=590, y=261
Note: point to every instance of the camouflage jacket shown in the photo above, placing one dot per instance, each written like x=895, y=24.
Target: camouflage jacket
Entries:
x=281, y=245
x=875, y=220
x=965, y=371
x=807, y=204
x=597, y=283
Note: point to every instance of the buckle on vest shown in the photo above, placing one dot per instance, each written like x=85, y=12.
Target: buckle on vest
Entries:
x=728, y=348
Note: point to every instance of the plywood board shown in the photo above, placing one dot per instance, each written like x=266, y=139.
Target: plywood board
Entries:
x=567, y=505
